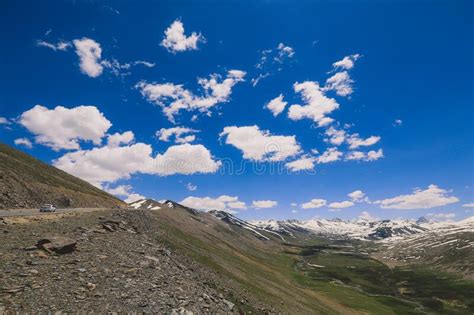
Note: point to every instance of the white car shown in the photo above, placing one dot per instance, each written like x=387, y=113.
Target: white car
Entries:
x=47, y=208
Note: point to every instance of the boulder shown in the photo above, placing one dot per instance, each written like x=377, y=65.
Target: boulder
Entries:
x=57, y=244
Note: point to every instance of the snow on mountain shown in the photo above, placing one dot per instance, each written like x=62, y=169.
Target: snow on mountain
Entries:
x=146, y=204
x=446, y=244
x=232, y=220
x=355, y=229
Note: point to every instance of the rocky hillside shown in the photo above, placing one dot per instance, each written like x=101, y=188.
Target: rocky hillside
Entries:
x=26, y=182
x=107, y=261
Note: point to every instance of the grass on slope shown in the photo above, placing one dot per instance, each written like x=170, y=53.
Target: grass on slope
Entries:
x=366, y=284
x=36, y=177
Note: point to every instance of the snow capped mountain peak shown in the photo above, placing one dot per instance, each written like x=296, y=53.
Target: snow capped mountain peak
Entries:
x=357, y=229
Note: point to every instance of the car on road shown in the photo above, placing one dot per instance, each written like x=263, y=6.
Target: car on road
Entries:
x=47, y=208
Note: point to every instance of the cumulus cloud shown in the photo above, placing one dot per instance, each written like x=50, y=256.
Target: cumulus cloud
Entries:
x=264, y=204
x=62, y=128
x=191, y=187
x=176, y=41
x=118, y=139
x=109, y=164
x=397, y=122
x=340, y=82
x=330, y=155
x=223, y=203
x=431, y=197
x=276, y=105
x=314, y=203
x=125, y=192
x=90, y=53
x=347, y=62
x=338, y=136
x=341, y=205
x=317, y=106
x=284, y=52
x=358, y=196
x=362, y=156
x=335, y=136
x=355, y=141
x=468, y=205
x=303, y=163
x=24, y=142
x=90, y=57
x=61, y=45
x=179, y=133
x=260, y=145
x=174, y=98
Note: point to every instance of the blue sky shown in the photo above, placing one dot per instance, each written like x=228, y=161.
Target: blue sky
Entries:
x=399, y=73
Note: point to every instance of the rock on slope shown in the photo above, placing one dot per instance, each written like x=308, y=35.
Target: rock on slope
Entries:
x=120, y=265
x=26, y=182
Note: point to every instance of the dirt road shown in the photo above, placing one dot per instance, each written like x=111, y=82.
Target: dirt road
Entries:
x=29, y=212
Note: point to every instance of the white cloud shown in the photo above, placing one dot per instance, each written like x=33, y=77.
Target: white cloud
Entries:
x=118, y=139
x=442, y=216
x=330, y=155
x=362, y=156
x=24, y=142
x=116, y=67
x=164, y=134
x=61, y=45
x=223, y=203
x=191, y=187
x=89, y=52
x=126, y=192
x=176, y=41
x=237, y=205
x=144, y=63
x=284, y=52
x=397, y=122
x=317, y=104
x=260, y=145
x=272, y=61
x=340, y=82
x=355, y=141
x=260, y=77
x=367, y=216
x=341, y=205
x=174, y=98
x=468, y=205
x=347, y=62
x=374, y=155
x=314, y=203
x=336, y=136
x=264, y=204
x=4, y=121
x=303, y=163
x=431, y=197
x=276, y=105
x=358, y=196
x=62, y=128
x=294, y=204
x=109, y=164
